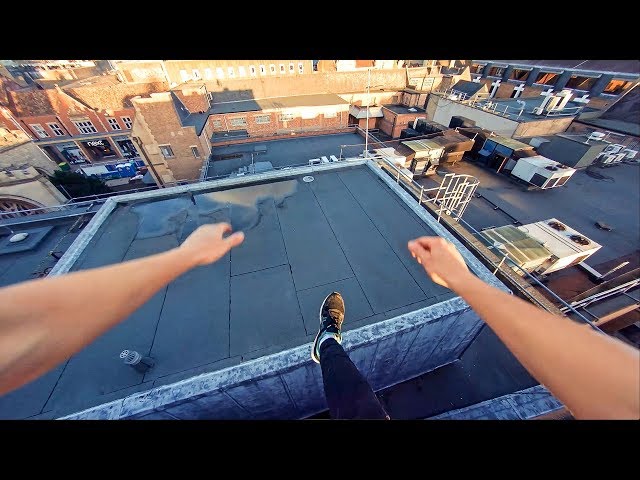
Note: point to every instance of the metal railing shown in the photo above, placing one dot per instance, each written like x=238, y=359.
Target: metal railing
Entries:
x=486, y=104
x=585, y=302
x=84, y=205
x=418, y=192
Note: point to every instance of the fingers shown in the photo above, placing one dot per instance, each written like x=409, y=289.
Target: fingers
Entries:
x=234, y=240
x=430, y=242
x=418, y=251
x=224, y=227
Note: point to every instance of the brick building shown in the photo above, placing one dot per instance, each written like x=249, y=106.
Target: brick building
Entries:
x=278, y=116
x=600, y=82
x=85, y=122
x=396, y=118
x=172, y=140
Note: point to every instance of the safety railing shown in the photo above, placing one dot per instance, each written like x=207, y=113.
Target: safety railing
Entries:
x=75, y=207
x=482, y=102
x=418, y=191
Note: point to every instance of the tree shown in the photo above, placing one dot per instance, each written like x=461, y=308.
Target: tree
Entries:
x=77, y=185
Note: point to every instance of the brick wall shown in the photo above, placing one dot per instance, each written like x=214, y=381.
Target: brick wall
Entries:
x=393, y=123
x=222, y=123
x=235, y=141
x=274, y=86
x=156, y=124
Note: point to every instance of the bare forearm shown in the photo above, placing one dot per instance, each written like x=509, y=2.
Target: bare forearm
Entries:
x=45, y=321
x=595, y=376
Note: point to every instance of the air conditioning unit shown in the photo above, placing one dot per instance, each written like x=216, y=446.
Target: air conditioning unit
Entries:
x=542, y=172
x=613, y=148
x=598, y=136
x=629, y=154
x=609, y=158
x=567, y=245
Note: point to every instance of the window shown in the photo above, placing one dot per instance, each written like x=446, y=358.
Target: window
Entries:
x=127, y=121
x=272, y=69
x=57, y=131
x=184, y=75
x=238, y=122
x=41, y=132
x=196, y=74
x=261, y=119
x=85, y=127
x=286, y=116
x=242, y=72
x=219, y=72
x=614, y=87
x=166, y=151
x=547, y=78
x=519, y=74
x=263, y=71
x=496, y=71
x=216, y=123
x=282, y=70
x=580, y=83
x=301, y=68
x=207, y=74
x=477, y=68
x=195, y=151
x=292, y=68
x=252, y=70
x=231, y=72
x=113, y=123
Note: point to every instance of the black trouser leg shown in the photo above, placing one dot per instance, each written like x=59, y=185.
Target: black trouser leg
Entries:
x=347, y=392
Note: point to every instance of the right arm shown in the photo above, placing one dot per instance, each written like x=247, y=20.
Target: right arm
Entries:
x=594, y=375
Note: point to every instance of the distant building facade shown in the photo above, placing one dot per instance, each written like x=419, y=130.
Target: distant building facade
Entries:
x=85, y=122
x=177, y=72
x=47, y=72
x=600, y=82
x=25, y=189
x=172, y=149
x=17, y=149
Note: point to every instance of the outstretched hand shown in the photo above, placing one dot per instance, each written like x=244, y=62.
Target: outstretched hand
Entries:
x=441, y=260
x=207, y=243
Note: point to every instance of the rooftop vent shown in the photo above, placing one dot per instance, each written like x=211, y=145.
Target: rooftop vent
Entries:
x=551, y=167
x=579, y=239
x=557, y=226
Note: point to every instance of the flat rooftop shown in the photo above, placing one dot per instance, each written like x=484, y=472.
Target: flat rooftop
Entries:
x=274, y=103
x=281, y=153
x=530, y=104
x=580, y=203
x=402, y=109
x=346, y=230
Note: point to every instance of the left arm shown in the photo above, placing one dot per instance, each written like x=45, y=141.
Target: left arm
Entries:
x=41, y=324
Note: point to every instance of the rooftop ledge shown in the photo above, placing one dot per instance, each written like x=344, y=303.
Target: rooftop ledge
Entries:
x=389, y=347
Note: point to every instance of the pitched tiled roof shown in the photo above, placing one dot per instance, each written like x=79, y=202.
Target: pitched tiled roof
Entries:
x=33, y=102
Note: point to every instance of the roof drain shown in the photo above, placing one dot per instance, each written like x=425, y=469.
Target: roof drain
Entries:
x=307, y=179
x=137, y=361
